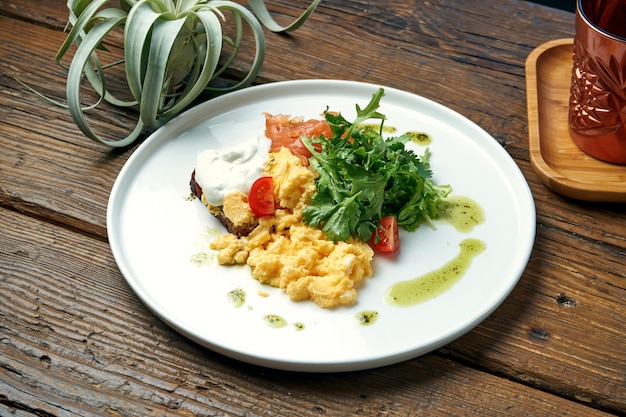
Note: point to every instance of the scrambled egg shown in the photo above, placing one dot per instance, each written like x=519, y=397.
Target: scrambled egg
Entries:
x=285, y=252
x=234, y=206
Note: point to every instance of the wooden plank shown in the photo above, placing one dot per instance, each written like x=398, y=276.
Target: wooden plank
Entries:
x=51, y=13
x=74, y=340
x=48, y=170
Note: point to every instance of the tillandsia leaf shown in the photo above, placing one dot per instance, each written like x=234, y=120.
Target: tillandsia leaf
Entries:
x=137, y=32
x=81, y=60
x=259, y=38
x=78, y=32
x=189, y=5
x=78, y=6
x=172, y=51
x=212, y=52
x=264, y=16
x=117, y=17
x=234, y=43
x=164, y=35
x=80, y=16
x=126, y=5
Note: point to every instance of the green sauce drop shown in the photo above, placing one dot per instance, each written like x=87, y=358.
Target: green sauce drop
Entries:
x=237, y=297
x=462, y=213
x=200, y=259
x=431, y=284
x=376, y=127
x=367, y=318
x=298, y=326
x=420, y=138
x=274, y=321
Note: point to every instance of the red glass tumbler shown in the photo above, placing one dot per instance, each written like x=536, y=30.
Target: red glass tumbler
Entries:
x=597, y=115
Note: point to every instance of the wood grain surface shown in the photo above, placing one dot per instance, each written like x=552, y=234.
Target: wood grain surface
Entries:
x=76, y=341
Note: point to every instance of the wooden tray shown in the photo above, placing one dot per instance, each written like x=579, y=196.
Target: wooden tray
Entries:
x=560, y=164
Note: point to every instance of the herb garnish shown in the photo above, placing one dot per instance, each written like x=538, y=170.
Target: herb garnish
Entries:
x=364, y=177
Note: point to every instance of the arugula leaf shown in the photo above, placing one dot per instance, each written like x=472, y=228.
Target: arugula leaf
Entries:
x=363, y=177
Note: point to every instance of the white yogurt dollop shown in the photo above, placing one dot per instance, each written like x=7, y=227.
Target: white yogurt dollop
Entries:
x=221, y=171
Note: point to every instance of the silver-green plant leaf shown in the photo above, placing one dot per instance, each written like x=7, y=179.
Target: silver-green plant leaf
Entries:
x=172, y=52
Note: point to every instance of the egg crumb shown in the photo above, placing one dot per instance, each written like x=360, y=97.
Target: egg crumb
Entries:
x=286, y=253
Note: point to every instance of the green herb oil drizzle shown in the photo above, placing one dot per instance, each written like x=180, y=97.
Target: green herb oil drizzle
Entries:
x=367, y=318
x=431, y=284
x=274, y=321
x=201, y=259
x=420, y=138
x=237, y=297
x=462, y=213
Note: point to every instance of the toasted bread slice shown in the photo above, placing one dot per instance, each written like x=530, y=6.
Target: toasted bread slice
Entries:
x=243, y=229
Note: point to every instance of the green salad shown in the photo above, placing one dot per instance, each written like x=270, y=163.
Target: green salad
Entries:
x=364, y=178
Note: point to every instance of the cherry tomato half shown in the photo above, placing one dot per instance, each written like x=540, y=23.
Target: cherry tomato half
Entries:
x=261, y=197
x=388, y=240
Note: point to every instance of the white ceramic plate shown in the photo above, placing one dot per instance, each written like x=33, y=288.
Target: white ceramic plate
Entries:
x=155, y=229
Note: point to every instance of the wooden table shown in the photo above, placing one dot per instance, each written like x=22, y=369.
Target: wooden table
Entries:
x=75, y=340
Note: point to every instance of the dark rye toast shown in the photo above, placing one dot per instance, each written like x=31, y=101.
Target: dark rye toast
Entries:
x=218, y=212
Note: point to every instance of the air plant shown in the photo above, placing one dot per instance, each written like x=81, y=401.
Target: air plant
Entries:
x=173, y=49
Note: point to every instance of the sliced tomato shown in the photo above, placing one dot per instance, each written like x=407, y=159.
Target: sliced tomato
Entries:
x=261, y=197
x=386, y=238
x=286, y=132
